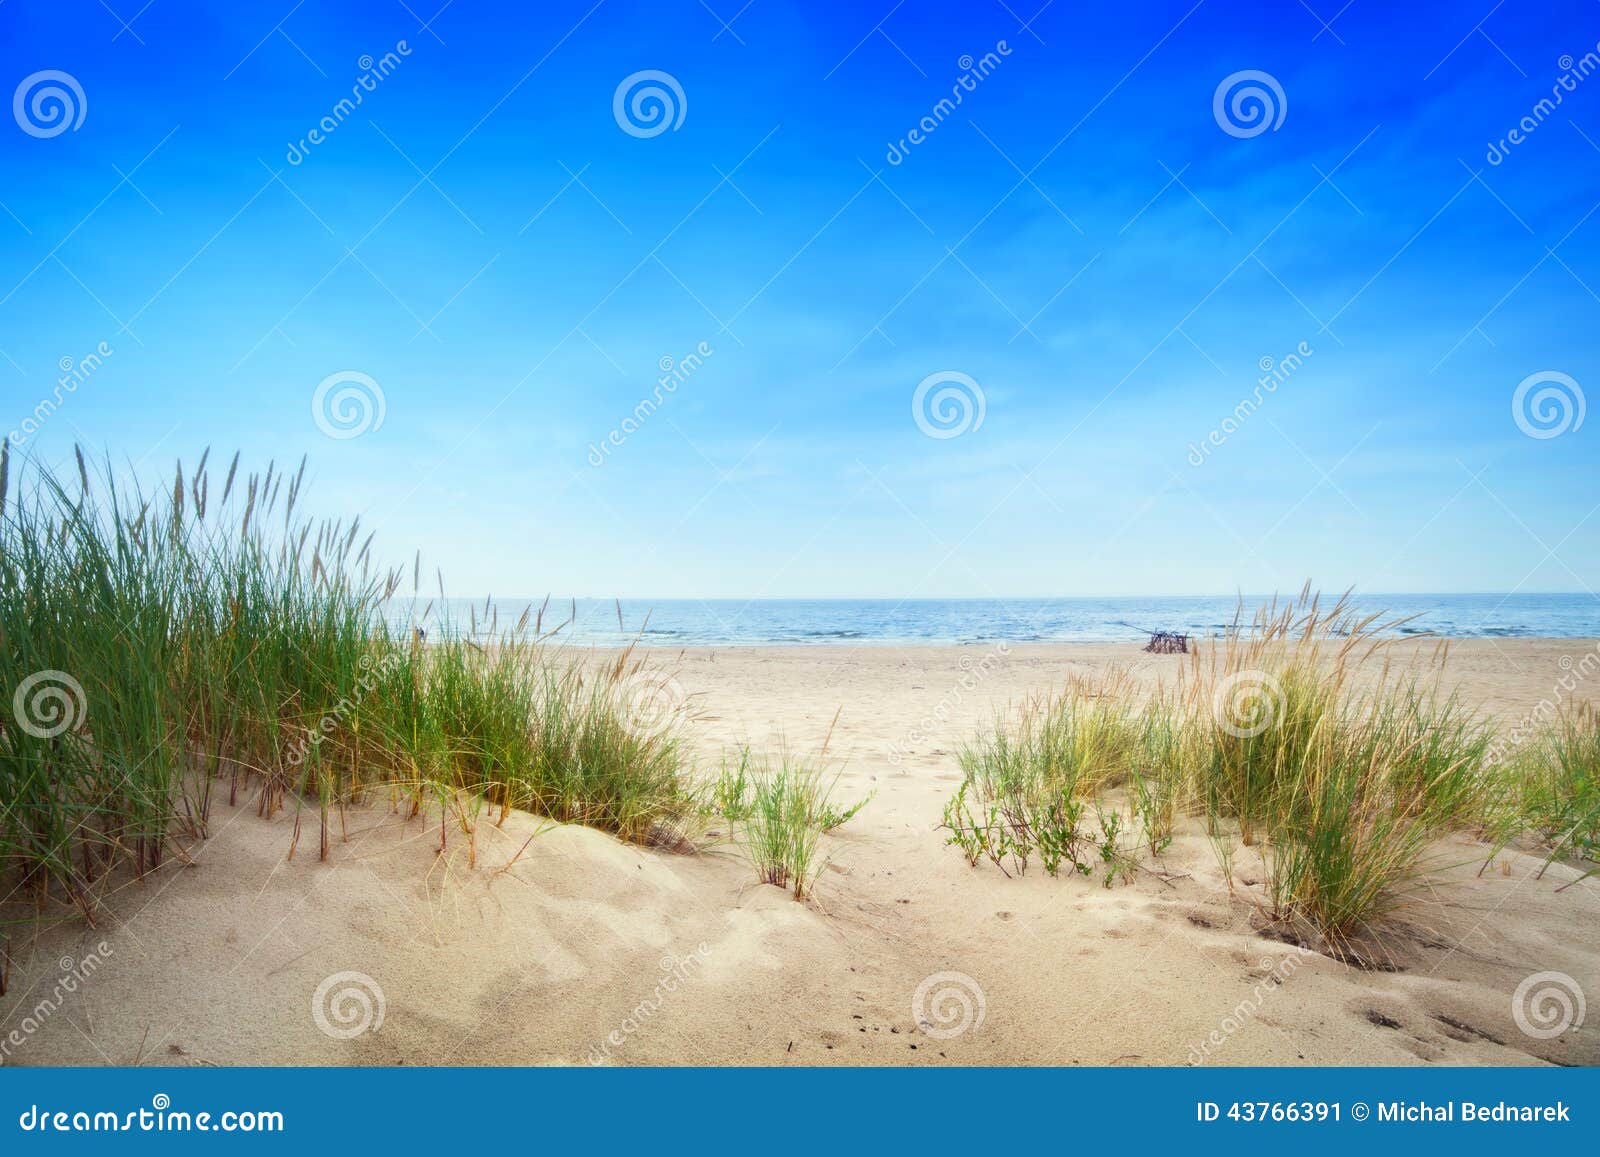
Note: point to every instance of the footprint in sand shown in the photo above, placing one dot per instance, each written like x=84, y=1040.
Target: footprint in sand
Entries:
x=1460, y=1030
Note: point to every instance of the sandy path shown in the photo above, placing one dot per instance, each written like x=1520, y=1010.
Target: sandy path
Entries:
x=584, y=942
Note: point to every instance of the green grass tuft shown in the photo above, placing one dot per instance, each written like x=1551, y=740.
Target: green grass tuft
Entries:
x=159, y=647
x=780, y=810
x=1294, y=733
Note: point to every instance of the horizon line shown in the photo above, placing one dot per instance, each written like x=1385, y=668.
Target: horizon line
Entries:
x=989, y=598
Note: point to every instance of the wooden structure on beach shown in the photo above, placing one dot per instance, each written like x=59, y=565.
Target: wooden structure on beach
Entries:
x=1162, y=642
x=1167, y=643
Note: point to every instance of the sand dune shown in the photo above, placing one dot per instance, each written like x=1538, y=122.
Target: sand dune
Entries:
x=585, y=950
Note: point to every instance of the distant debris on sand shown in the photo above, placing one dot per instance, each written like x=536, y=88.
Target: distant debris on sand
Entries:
x=1167, y=643
x=1161, y=642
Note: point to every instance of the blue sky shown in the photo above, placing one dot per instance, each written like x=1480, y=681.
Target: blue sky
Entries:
x=1082, y=238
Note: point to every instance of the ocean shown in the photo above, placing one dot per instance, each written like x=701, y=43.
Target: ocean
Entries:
x=765, y=622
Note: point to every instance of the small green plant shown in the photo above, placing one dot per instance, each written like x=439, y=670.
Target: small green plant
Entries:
x=729, y=794
x=1032, y=776
x=1055, y=827
x=1155, y=807
x=789, y=808
x=830, y=817
x=965, y=831
x=779, y=834
x=1561, y=792
x=1117, y=863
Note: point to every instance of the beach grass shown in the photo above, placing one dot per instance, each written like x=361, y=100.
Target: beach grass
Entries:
x=1037, y=782
x=162, y=647
x=779, y=807
x=1558, y=777
x=1294, y=732
x=779, y=833
x=1343, y=766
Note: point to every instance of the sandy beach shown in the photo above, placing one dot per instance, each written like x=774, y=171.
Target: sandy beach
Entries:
x=588, y=950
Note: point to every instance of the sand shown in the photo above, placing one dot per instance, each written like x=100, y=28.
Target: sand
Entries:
x=585, y=950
